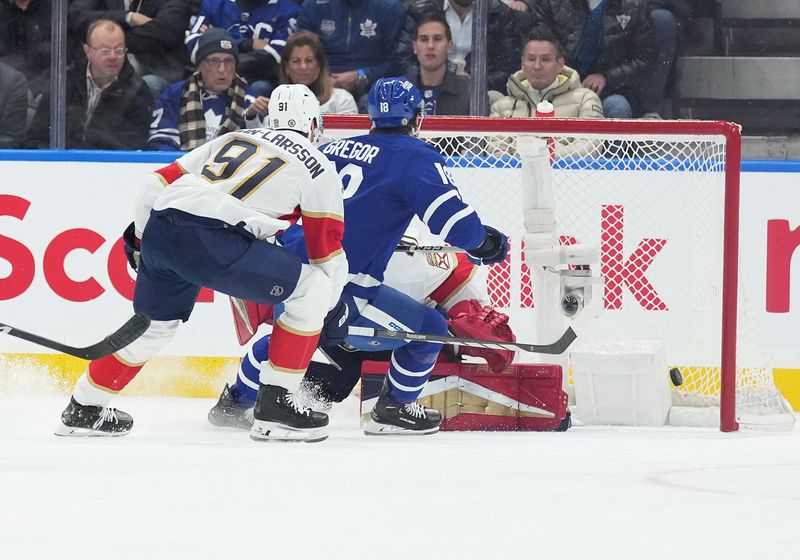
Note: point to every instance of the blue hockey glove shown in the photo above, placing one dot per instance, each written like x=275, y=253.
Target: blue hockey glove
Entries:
x=132, y=246
x=494, y=248
x=334, y=327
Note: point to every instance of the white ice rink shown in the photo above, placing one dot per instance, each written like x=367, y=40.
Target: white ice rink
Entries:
x=178, y=488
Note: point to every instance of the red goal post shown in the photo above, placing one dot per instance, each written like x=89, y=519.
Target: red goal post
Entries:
x=670, y=186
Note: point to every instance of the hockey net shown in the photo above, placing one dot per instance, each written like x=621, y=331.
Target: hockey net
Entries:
x=661, y=200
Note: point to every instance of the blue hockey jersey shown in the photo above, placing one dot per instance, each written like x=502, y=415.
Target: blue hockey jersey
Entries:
x=388, y=179
x=269, y=21
x=356, y=34
x=166, y=116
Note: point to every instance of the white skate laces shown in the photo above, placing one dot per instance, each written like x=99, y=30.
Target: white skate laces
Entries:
x=106, y=415
x=298, y=407
x=415, y=409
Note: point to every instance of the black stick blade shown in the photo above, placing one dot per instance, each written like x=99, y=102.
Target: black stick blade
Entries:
x=127, y=333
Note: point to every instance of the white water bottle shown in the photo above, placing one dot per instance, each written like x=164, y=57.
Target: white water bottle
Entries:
x=545, y=109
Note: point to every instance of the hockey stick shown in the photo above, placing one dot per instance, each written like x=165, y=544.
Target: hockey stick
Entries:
x=428, y=249
x=127, y=333
x=557, y=347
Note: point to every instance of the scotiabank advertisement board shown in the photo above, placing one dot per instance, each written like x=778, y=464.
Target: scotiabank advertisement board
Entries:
x=63, y=273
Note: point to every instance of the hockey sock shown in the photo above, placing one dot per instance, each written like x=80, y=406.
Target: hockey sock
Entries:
x=245, y=390
x=412, y=363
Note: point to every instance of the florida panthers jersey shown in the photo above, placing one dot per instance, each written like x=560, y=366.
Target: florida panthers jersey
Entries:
x=388, y=179
x=261, y=181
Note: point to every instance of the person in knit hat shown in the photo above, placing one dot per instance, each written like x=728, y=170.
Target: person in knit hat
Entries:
x=213, y=101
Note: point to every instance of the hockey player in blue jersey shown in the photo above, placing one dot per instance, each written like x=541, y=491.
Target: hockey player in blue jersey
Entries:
x=390, y=176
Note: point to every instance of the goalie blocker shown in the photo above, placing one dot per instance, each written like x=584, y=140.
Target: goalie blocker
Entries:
x=472, y=397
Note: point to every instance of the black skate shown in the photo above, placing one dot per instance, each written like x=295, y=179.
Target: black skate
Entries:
x=81, y=420
x=278, y=417
x=392, y=418
x=227, y=414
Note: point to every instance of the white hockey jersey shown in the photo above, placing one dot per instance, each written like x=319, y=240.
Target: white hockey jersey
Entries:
x=261, y=180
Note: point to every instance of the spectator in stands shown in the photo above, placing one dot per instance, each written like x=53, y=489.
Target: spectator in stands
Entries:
x=669, y=18
x=258, y=27
x=359, y=36
x=545, y=77
x=13, y=106
x=609, y=42
x=502, y=45
x=213, y=101
x=25, y=40
x=153, y=34
x=444, y=91
x=305, y=62
x=108, y=106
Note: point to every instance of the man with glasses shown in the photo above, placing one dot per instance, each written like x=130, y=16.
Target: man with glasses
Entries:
x=213, y=101
x=107, y=106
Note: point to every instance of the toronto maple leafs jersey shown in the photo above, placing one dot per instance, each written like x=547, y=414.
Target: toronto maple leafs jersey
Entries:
x=270, y=21
x=166, y=116
x=356, y=34
x=388, y=179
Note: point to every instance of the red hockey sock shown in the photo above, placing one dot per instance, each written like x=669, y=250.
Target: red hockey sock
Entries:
x=111, y=373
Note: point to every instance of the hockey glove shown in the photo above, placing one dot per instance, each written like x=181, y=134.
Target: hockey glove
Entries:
x=132, y=246
x=469, y=319
x=494, y=248
x=334, y=327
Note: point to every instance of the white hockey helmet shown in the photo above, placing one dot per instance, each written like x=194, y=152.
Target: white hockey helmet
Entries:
x=295, y=107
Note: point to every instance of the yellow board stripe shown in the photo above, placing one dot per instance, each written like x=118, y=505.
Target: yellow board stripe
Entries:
x=182, y=376
x=163, y=376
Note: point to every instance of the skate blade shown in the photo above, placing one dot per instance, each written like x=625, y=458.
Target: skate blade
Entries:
x=63, y=430
x=373, y=428
x=270, y=431
x=228, y=422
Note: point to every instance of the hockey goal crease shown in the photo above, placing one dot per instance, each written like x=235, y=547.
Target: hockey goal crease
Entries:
x=660, y=199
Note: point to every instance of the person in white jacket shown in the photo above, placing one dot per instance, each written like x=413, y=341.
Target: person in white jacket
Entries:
x=545, y=77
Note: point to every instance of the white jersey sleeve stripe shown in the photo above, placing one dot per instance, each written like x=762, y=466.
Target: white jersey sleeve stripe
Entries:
x=363, y=280
x=454, y=219
x=437, y=203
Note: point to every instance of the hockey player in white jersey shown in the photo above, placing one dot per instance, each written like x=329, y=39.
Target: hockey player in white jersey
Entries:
x=209, y=220
x=390, y=177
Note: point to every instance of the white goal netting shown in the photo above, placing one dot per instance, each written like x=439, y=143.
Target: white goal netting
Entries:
x=654, y=201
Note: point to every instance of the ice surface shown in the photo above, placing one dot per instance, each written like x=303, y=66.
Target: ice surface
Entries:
x=177, y=487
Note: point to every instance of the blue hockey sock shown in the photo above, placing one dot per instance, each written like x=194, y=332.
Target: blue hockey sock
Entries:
x=245, y=391
x=412, y=363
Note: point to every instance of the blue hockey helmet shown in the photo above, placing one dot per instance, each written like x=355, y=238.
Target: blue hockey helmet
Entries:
x=394, y=103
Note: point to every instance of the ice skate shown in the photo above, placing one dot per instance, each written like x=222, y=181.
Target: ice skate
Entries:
x=389, y=417
x=278, y=417
x=227, y=414
x=79, y=420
